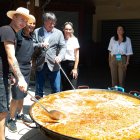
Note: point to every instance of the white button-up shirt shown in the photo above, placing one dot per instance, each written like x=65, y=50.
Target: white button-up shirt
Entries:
x=72, y=44
x=123, y=48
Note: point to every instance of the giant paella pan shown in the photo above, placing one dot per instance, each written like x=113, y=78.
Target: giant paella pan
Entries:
x=89, y=114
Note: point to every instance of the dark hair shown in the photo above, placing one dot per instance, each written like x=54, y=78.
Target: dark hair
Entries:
x=49, y=16
x=124, y=34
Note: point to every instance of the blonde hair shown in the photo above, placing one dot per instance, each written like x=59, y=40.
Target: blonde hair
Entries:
x=32, y=19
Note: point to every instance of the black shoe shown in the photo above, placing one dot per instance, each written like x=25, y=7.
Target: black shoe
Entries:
x=11, y=124
x=24, y=118
x=38, y=97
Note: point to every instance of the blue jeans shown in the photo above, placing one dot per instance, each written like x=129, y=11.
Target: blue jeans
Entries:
x=53, y=76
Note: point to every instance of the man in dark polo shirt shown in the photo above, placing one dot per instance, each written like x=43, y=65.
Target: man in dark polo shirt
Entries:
x=19, y=18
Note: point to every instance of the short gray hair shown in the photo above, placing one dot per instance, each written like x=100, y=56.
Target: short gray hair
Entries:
x=49, y=16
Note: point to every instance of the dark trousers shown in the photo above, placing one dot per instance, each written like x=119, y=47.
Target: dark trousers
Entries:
x=53, y=76
x=67, y=67
x=5, y=70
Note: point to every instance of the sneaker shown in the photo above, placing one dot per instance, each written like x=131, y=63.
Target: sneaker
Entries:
x=24, y=118
x=11, y=124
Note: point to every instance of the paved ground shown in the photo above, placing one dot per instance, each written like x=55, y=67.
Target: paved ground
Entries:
x=24, y=132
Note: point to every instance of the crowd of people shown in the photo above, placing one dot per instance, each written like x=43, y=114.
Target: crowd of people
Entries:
x=23, y=48
x=46, y=50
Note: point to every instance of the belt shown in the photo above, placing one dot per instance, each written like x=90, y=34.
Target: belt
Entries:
x=65, y=61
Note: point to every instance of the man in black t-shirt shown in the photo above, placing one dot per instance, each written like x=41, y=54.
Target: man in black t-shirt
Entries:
x=23, y=53
x=19, y=18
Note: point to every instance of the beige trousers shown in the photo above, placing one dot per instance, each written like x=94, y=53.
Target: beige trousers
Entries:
x=118, y=71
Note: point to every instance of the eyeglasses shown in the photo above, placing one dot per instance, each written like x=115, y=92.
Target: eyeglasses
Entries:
x=50, y=22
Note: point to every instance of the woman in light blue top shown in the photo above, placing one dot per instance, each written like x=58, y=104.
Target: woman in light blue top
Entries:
x=120, y=49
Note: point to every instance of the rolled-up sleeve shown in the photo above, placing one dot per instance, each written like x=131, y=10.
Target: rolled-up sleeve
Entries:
x=129, y=50
x=110, y=44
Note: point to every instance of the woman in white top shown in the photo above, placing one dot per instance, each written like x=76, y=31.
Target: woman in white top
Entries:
x=120, y=49
x=71, y=60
